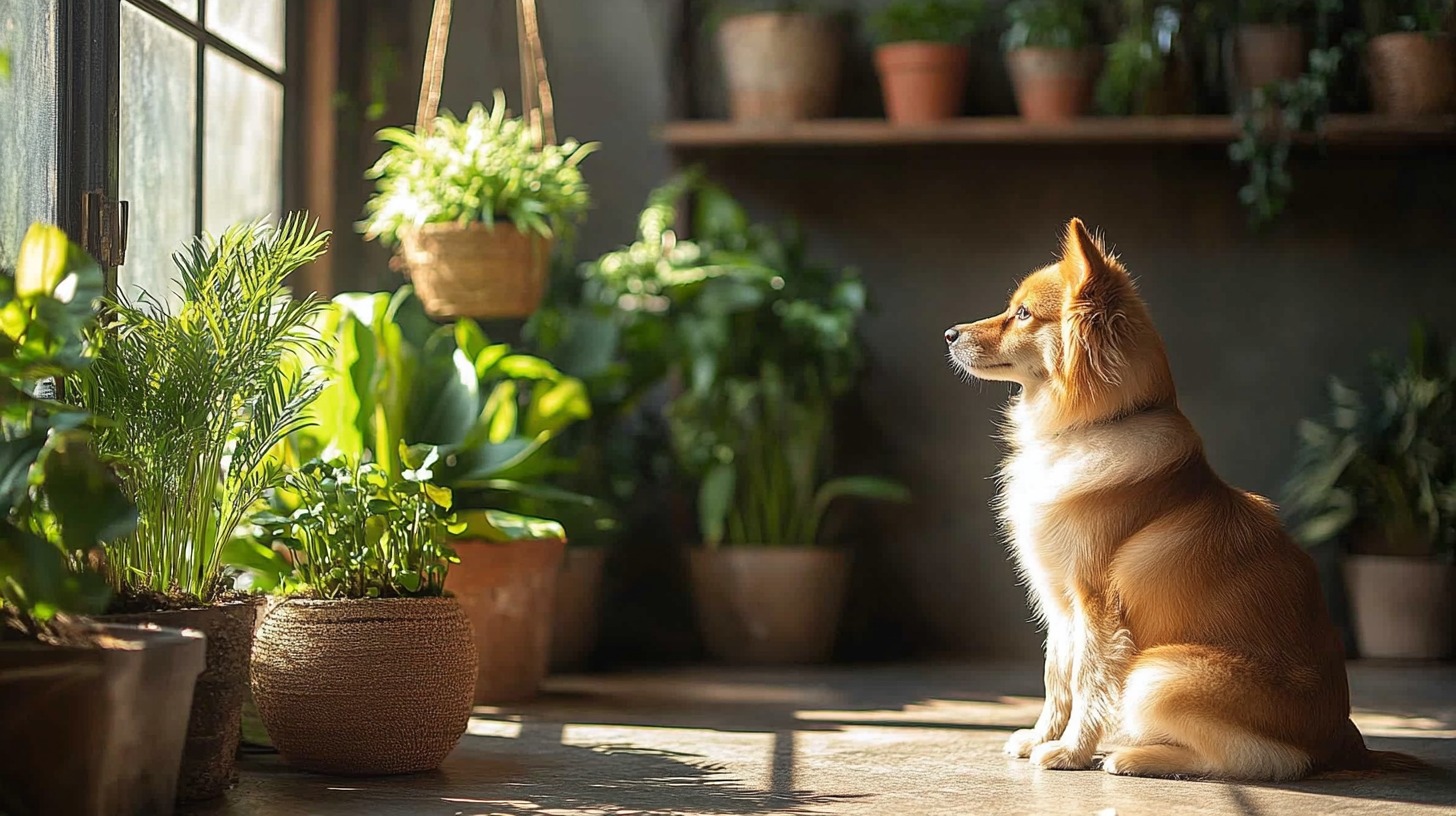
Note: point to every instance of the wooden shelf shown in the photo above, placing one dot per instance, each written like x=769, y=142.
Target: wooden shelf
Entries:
x=1343, y=129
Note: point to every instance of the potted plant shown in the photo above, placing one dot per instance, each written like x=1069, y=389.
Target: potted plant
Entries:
x=1269, y=43
x=922, y=57
x=1411, y=57
x=781, y=62
x=368, y=666
x=197, y=394
x=398, y=378
x=96, y=715
x=1147, y=71
x=474, y=207
x=1051, y=58
x=1380, y=478
x=763, y=345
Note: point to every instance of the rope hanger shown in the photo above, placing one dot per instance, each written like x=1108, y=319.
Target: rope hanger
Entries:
x=537, y=107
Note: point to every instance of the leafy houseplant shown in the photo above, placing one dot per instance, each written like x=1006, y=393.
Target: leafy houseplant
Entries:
x=1050, y=57
x=71, y=693
x=922, y=57
x=474, y=206
x=781, y=60
x=764, y=345
x=368, y=667
x=198, y=394
x=1146, y=70
x=1380, y=476
x=1411, y=56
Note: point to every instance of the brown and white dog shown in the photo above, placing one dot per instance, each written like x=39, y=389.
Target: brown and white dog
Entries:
x=1176, y=606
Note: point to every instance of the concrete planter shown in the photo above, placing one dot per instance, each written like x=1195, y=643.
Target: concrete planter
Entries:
x=769, y=605
x=1403, y=607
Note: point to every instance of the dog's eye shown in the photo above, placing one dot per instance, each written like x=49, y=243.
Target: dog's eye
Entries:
x=1023, y=314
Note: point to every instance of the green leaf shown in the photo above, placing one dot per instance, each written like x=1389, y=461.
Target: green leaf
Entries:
x=498, y=526
x=715, y=498
x=860, y=487
x=409, y=579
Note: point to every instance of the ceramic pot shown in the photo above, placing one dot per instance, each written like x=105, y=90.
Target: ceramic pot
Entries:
x=769, y=605
x=1052, y=84
x=780, y=66
x=578, y=607
x=923, y=82
x=1412, y=74
x=1403, y=607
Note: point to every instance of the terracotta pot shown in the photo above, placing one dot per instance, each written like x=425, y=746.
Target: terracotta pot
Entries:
x=769, y=605
x=508, y=590
x=368, y=686
x=780, y=67
x=1412, y=74
x=209, y=766
x=577, y=611
x=1052, y=84
x=1264, y=54
x=1403, y=607
x=97, y=731
x=922, y=82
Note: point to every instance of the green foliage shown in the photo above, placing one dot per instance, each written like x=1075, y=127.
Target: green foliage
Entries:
x=398, y=379
x=357, y=534
x=1426, y=16
x=1047, y=24
x=198, y=395
x=4, y=64
x=485, y=169
x=1278, y=12
x=1382, y=469
x=1136, y=60
x=764, y=344
x=58, y=501
x=943, y=21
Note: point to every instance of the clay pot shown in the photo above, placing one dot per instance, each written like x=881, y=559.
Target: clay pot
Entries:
x=769, y=605
x=1265, y=54
x=97, y=730
x=922, y=82
x=780, y=67
x=578, y=607
x=365, y=687
x=1412, y=74
x=508, y=590
x=1052, y=84
x=209, y=766
x=1403, y=607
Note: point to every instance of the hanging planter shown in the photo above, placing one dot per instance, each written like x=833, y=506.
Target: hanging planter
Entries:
x=474, y=205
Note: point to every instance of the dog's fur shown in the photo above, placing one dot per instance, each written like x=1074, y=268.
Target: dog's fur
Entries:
x=1175, y=605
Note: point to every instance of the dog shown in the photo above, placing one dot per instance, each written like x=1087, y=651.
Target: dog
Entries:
x=1176, y=607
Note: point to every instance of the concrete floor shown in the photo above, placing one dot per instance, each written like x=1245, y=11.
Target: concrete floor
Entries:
x=879, y=740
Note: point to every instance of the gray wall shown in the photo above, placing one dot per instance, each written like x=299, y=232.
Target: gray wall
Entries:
x=1254, y=323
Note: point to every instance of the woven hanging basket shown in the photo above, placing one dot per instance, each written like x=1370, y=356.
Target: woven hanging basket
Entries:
x=365, y=687
x=473, y=270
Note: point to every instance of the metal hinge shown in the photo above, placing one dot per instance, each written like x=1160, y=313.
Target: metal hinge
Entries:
x=103, y=227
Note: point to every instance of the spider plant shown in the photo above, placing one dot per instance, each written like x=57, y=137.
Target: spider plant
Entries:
x=199, y=396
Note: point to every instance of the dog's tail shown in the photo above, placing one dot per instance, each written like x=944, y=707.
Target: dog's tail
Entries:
x=1354, y=756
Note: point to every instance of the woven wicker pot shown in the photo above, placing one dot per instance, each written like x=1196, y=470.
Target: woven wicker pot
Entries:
x=780, y=66
x=578, y=607
x=1412, y=74
x=365, y=687
x=209, y=766
x=1052, y=84
x=509, y=591
x=97, y=731
x=769, y=605
x=473, y=270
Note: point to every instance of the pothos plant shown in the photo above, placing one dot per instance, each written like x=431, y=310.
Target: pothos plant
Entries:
x=355, y=533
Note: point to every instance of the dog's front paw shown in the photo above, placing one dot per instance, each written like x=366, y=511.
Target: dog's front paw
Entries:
x=1058, y=756
x=1023, y=741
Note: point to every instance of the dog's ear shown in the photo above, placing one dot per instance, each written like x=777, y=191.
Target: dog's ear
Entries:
x=1098, y=291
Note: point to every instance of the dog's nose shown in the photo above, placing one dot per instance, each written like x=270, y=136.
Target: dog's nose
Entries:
x=951, y=335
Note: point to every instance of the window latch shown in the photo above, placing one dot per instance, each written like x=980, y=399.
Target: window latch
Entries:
x=104, y=226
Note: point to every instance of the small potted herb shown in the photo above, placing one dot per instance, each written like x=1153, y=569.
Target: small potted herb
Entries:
x=368, y=666
x=95, y=716
x=1411, y=57
x=922, y=57
x=1269, y=43
x=197, y=394
x=1051, y=57
x=474, y=206
x=781, y=61
x=1379, y=479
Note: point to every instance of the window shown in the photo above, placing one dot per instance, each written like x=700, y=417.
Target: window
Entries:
x=29, y=139
x=200, y=137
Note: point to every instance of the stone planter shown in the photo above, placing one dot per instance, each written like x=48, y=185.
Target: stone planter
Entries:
x=780, y=66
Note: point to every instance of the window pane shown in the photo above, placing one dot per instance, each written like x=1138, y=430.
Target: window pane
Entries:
x=27, y=120
x=255, y=26
x=158, y=132
x=188, y=8
x=242, y=145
